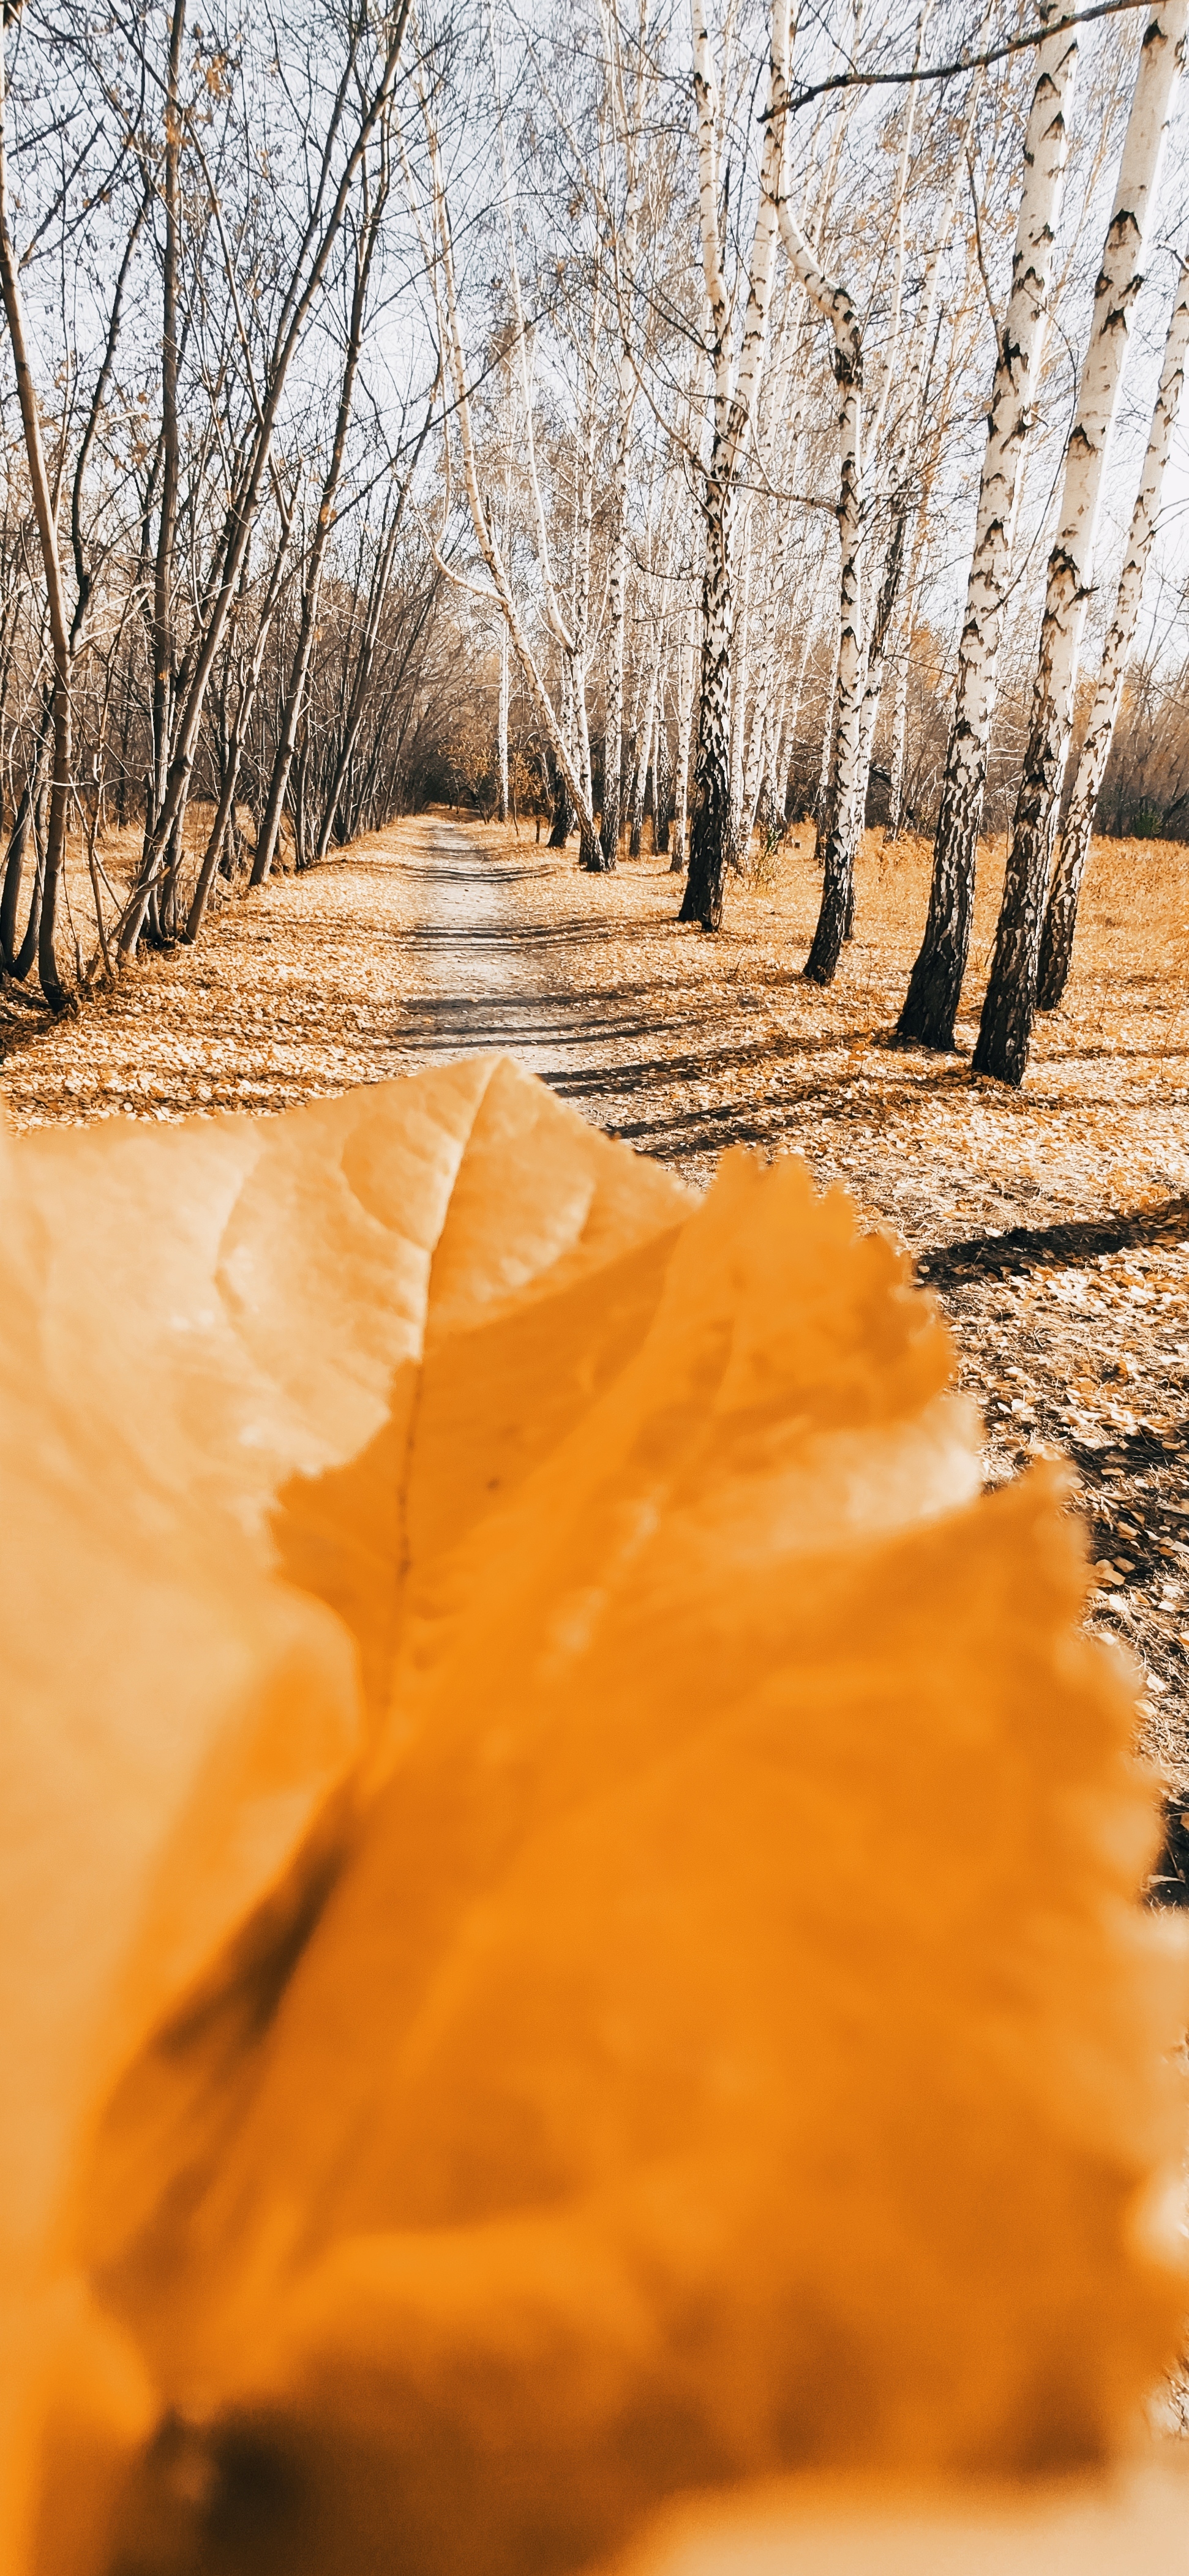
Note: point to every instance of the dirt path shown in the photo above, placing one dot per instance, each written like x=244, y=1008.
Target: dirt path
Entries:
x=479, y=950
x=1054, y=1223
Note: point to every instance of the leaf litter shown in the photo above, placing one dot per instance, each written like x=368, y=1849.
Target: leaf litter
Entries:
x=1052, y=1223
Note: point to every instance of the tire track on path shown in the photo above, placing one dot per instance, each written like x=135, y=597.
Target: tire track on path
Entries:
x=476, y=944
x=494, y=968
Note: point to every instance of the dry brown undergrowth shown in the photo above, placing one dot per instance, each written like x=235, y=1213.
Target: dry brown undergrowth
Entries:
x=1054, y=1222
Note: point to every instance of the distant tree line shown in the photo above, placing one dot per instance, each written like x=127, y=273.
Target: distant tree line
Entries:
x=219, y=633
x=778, y=442
x=654, y=418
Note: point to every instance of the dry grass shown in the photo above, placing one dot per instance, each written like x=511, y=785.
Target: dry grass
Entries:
x=118, y=850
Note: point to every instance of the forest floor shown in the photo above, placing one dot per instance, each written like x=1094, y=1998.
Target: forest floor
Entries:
x=1053, y=1223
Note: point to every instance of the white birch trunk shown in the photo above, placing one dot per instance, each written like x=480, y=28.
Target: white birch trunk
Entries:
x=760, y=750
x=740, y=684
x=899, y=731
x=790, y=716
x=1006, y=1027
x=935, y=988
x=1056, y=950
x=734, y=405
x=877, y=642
x=644, y=747
x=902, y=657
x=878, y=408
x=685, y=709
x=592, y=856
x=770, y=675
x=635, y=719
x=616, y=618
x=769, y=691
x=841, y=821
x=482, y=520
x=823, y=776
x=662, y=776
x=501, y=734
x=565, y=805
x=793, y=699
x=617, y=553
x=906, y=440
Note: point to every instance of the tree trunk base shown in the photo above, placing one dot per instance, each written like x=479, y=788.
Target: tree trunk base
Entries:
x=702, y=900
x=593, y=857
x=707, y=914
x=931, y=1005
x=1056, y=948
x=1009, y=1010
x=934, y=994
x=1001, y=1061
x=902, y=1037
x=1005, y=1031
x=821, y=965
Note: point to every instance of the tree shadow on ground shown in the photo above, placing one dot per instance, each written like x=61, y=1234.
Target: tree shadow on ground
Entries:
x=997, y=1256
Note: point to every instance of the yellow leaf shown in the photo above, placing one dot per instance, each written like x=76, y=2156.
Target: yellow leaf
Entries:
x=684, y=2013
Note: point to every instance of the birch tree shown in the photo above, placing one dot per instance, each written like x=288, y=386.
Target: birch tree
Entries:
x=841, y=819
x=912, y=461
x=1009, y=1007
x=687, y=654
x=499, y=590
x=736, y=376
x=1060, y=922
x=625, y=251
x=935, y=987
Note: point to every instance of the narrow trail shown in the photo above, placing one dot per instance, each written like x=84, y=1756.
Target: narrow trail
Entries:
x=1053, y=1222
x=512, y=952
x=480, y=947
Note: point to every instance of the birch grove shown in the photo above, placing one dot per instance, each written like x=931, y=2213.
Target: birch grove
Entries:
x=636, y=423
x=1056, y=953
x=1010, y=1002
x=931, y=1003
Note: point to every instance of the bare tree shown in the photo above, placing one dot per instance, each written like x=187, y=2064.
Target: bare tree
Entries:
x=500, y=590
x=343, y=151
x=45, y=508
x=367, y=232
